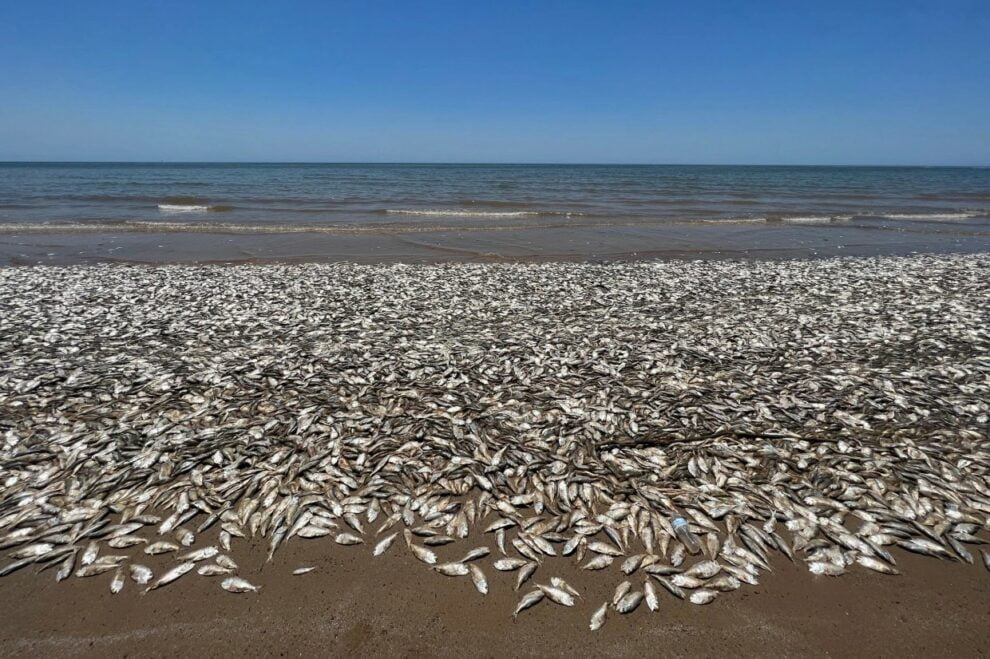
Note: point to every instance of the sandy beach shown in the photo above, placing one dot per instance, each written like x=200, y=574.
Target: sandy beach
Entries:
x=515, y=329
x=390, y=605
x=808, y=417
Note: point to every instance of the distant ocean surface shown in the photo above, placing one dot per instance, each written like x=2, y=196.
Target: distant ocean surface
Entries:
x=251, y=197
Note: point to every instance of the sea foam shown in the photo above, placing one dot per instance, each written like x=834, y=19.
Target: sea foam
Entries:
x=182, y=208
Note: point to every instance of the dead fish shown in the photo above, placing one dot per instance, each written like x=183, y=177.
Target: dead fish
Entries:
x=238, y=585
x=212, y=570
x=531, y=598
x=563, y=585
x=225, y=561
x=650, y=594
x=90, y=553
x=686, y=581
x=476, y=553
x=423, y=554
x=171, y=575
x=509, y=564
x=557, y=595
x=94, y=569
x=604, y=549
x=117, y=582
x=384, y=544
x=620, y=592
x=986, y=558
x=139, y=573
x=724, y=583
x=125, y=541
x=438, y=540
x=302, y=570
x=65, y=568
x=200, y=554
x=161, y=547
x=629, y=602
x=478, y=579
x=16, y=565
x=598, y=562
x=924, y=546
x=703, y=596
x=671, y=588
x=525, y=573
x=662, y=570
x=452, y=569
x=347, y=539
x=875, y=565
x=704, y=570
x=185, y=537
x=632, y=563
x=598, y=617
x=33, y=551
x=828, y=569
x=310, y=532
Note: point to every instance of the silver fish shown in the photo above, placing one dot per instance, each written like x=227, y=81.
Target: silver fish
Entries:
x=212, y=570
x=703, y=596
x=531, y=598
x=238, y=585
x=599, y=562
x=875, y=565
x=161, y=547
x=629, y=602
x=478, y=578
x=650, y=594
x=384, y=544
x=117, y=583
x=452, y=569
x=347, y=539
x=620, y=591
x=171, y=575
x=557, y=595
x=598, y=617
x=476, y=553
x=423, y=554
x=139, y=573
x=200, y=554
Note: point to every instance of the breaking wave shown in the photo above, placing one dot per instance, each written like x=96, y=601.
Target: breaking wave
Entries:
x=453, y=212
x=192, y=208
x=935, y=217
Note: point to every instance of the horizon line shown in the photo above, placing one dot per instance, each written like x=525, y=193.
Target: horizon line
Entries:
x=472, y=163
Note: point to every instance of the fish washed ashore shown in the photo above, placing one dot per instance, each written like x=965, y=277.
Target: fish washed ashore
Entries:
x=529, y=433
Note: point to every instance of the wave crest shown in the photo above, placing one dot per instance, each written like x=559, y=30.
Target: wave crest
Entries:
x=192, y=208
x=454, y=212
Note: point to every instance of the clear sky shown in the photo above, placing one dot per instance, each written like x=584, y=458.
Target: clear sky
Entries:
x=754, y=81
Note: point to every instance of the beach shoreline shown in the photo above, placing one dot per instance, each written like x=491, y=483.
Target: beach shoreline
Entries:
x=50, y=245
x=810, y=397
x=363, y=606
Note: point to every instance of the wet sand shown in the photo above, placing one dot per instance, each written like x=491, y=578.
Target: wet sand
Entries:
x=355, y=605
x=538, y=243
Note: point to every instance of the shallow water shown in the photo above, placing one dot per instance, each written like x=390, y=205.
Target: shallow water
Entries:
x=483, y=195
x=83, y=212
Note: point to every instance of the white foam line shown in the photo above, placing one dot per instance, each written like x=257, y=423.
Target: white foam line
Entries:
x=931, y=216
x=182, y=208
x=460, y=213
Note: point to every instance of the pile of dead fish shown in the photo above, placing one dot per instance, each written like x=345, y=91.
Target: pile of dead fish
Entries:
x=829, y=412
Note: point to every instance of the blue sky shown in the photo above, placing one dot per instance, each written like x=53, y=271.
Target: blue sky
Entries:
x=863, y=82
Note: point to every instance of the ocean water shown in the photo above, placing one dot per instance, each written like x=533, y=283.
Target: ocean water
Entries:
x=249, y=197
